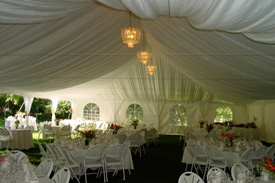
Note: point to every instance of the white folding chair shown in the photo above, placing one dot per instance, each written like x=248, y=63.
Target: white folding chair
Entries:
x=121, y=137
x=258, y=155
x=270, y=152
x=65, y=131
x=29, y=128
x=52, y=154
x=246, y=158
x=152, y=135
x=94, y=159
x=190, y=177
x=65, y=160
x=5, y=136
x=47, y=131
x=213, y=172
x=19, y=156
x=113, y=159
x=45, y=167
x=238, y=167
x=62, y=176
x=135, y=143
x=216, y=158
x=200, y=159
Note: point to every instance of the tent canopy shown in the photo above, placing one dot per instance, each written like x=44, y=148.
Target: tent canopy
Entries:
x=204, y=50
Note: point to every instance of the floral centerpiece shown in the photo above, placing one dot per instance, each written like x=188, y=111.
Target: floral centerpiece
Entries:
x=209, y=127
x=16, y=122
x=115, y=128
x=88, y=135
x=202, y=123
x=57, y=121
x=269, y=166
x=228, y=138
x=135, y=123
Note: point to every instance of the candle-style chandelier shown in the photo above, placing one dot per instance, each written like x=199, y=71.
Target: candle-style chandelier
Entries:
x=151, y=69
x=144, y=56
x=130, y=35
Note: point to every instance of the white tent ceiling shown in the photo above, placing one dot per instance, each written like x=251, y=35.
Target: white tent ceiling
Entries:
x=72, y=49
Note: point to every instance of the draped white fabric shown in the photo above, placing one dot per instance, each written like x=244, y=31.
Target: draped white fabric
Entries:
x=253, y=18
x=28, y=104
x=72, y=50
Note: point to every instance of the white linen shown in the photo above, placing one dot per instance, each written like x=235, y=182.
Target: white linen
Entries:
x=21, y=139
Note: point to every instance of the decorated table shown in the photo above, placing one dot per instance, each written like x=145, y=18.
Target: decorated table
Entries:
x=21, y=139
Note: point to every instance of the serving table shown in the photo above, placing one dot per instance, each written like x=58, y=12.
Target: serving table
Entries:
x=21, y=139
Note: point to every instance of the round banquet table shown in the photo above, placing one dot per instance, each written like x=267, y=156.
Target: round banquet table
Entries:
x=21, y=139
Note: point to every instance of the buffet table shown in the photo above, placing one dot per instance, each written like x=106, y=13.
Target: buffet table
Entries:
x=21, y=139
x=247, y=133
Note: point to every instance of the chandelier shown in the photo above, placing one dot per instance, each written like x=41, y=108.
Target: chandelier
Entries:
x=130, y=35
x=144, y=56
x=151, y=69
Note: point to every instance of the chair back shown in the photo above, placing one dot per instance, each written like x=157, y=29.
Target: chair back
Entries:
x=215, y=153
x=47, y=127
x=247, y=156
x=199, y=151
x=270, y=151
x=19, y=156
x=259, y=152
x=62, y=176
x=94, y=154
x=4, y=132
x=214, y=172
x=65, y=128
x=29, y=127
x=115, y=151
x=238, y=167
x=121, y=137
x=134, y=140
x=190, y=177
x=52, y=153
x=45, y=167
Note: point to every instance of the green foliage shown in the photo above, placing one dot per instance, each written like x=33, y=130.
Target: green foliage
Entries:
x=42, y=109
x=63, y=109
x=10, y=104
x=223, y=113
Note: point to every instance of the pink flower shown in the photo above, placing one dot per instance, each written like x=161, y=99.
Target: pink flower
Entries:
x=2, y=159
x=222, y=135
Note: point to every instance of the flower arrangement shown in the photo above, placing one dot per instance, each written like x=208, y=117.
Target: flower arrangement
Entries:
x=88, y=134
x=2, y=159
x=269, y=166
x=209, y=127
x=57, y=121
x=202, y=123
x=228, y=138
x=115, y=127
x=134, y=123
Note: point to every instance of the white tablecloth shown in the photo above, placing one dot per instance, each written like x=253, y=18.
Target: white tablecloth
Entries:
x=21, y=139
x=247, y=133
x=231, y=157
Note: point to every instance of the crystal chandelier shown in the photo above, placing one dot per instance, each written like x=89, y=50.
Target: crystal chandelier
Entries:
x=151, y=69
x=130, y=35
x=144, y=56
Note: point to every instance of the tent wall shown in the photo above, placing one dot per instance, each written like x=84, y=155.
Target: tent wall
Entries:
x=263, y=111
x=157, y=113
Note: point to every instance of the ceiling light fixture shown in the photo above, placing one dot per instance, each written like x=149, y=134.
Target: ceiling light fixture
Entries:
x=144, y=56
x=130, y=35
x=151, y=69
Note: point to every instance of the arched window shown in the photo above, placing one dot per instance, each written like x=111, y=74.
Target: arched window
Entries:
x=223, y=113
x=134, y=111
x=178, y=115
x=91, y=112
